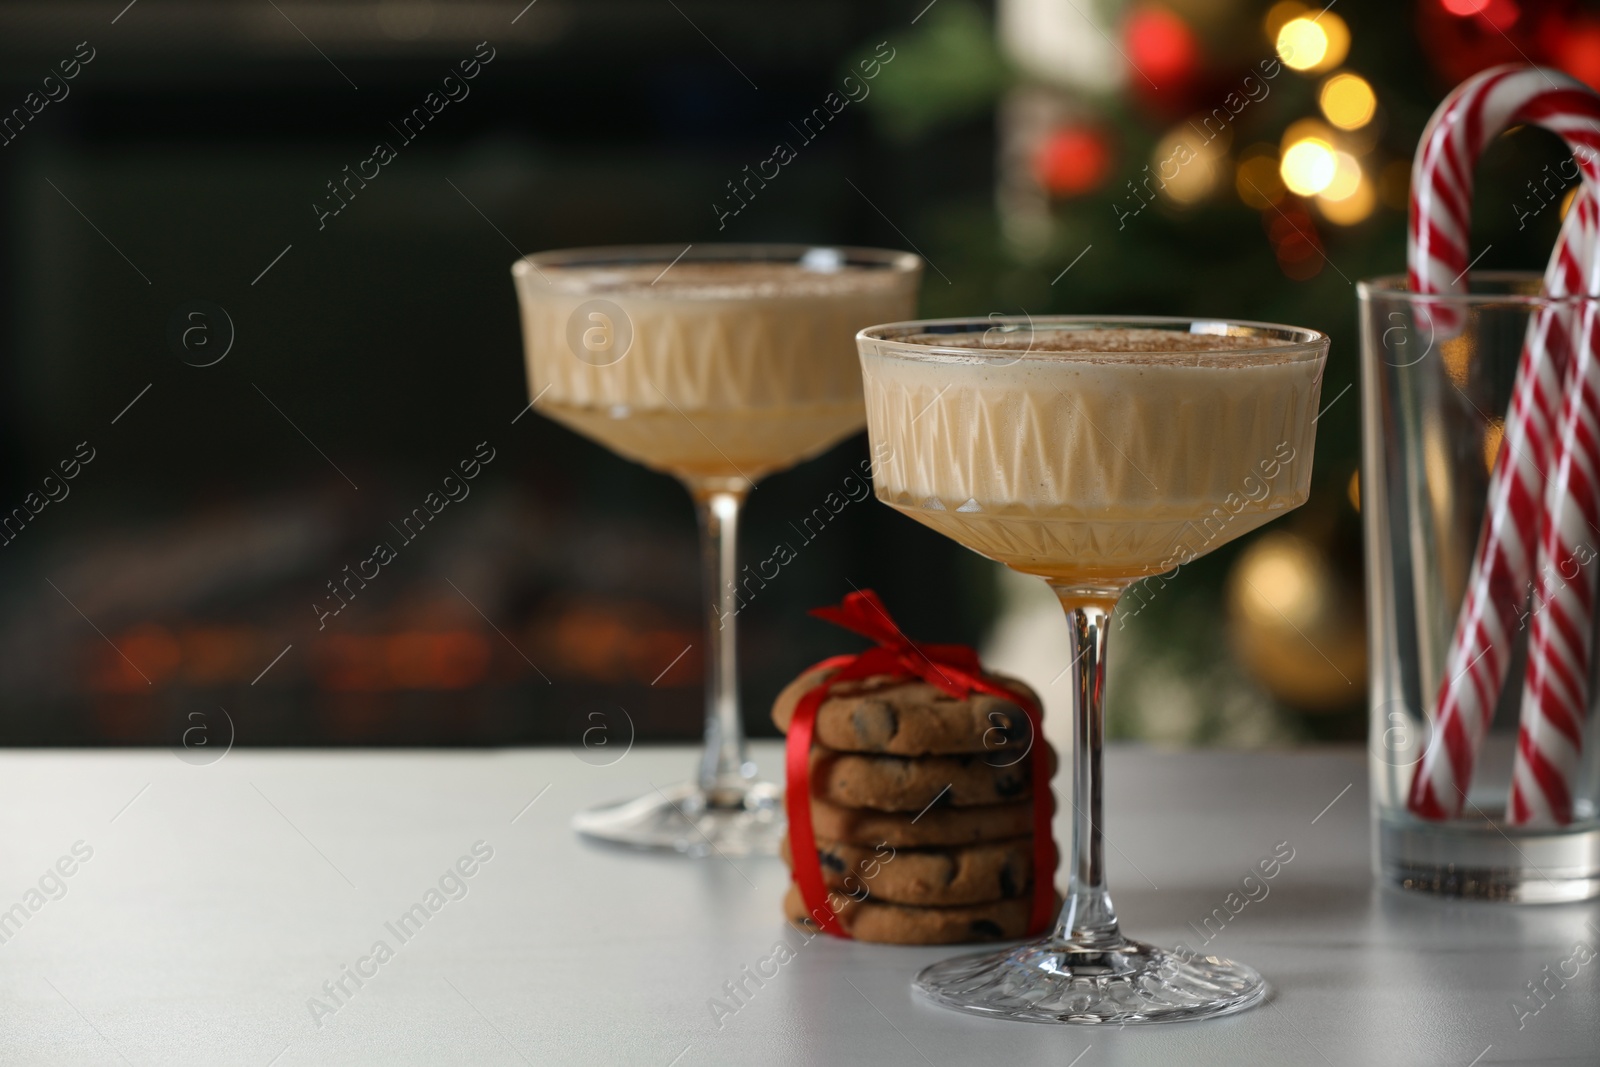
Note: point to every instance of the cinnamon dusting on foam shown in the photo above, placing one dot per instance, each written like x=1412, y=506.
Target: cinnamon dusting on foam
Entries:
x=1053, y=340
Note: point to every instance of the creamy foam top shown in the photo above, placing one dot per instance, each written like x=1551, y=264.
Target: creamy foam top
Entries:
x=1103, y=341
x=722, y=335
x=718, y=280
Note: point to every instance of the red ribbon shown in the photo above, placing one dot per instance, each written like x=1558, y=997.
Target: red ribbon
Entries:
x=952, y=668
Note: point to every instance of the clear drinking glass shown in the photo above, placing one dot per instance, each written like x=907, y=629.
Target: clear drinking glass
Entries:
x=716, y=364
x=1436, y=377
x=1091, y=453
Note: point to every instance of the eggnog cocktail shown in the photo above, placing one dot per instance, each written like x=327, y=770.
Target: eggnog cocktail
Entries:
x=1114, y=455
x=1092, y=454
x=720, y=369
x=717, y=364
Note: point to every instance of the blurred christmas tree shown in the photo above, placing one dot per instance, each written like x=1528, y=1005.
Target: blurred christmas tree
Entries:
x=1225, y=158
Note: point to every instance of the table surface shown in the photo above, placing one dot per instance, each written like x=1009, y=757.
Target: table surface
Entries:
x=207, y=905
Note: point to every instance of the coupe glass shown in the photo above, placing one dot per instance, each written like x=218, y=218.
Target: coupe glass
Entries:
x=716, y=364
x=1091, y=453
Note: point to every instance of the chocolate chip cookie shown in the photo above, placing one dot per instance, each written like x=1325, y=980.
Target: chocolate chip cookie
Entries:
x=910, y=718
x=902, y=783
x=938, y=826
x=970, y=874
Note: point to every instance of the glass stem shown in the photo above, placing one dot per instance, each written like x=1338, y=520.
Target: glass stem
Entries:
x=1088, y=921
x=724, y=771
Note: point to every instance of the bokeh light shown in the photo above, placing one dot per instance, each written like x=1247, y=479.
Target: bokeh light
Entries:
x=1194, y=179
x=1161, y=45
x=1282, y=586
x=1577, y=49
x=1302, y=43
x=1314, y=43
x=1350, y=209
x=1257, y=179
x=1280, y=13
x=1348, y=101
x=1346, y=177
x=1072, y=160
x=1308, y=166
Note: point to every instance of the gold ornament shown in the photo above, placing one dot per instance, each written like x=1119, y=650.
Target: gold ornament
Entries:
x=1296, y=623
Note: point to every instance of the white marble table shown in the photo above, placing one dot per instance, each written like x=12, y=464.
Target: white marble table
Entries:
x=219, y=899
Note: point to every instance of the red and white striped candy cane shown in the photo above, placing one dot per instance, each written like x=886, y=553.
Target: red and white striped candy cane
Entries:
x=1497, y=588
x=1555, y=692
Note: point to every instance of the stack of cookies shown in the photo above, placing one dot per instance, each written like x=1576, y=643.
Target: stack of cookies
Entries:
x=922, y=807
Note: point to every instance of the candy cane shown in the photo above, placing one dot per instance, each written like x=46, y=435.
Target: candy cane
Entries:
x=1555, y=694
x=1442, y=180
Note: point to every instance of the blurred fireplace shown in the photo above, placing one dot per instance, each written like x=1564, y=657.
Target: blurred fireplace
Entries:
x=374, y=351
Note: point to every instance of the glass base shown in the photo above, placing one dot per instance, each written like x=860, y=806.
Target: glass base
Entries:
x=1484, y=858
x=746, y=820
x=1049, y=981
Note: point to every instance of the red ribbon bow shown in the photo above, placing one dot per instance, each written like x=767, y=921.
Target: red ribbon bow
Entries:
x=953, y=669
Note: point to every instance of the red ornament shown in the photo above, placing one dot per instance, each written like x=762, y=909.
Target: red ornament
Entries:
x=1161, y=46
x=1072, y=161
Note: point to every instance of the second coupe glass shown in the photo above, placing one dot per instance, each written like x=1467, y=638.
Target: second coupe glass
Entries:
x=717, y=364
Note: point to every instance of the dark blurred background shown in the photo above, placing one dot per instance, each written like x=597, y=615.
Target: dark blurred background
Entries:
x=265, y=383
